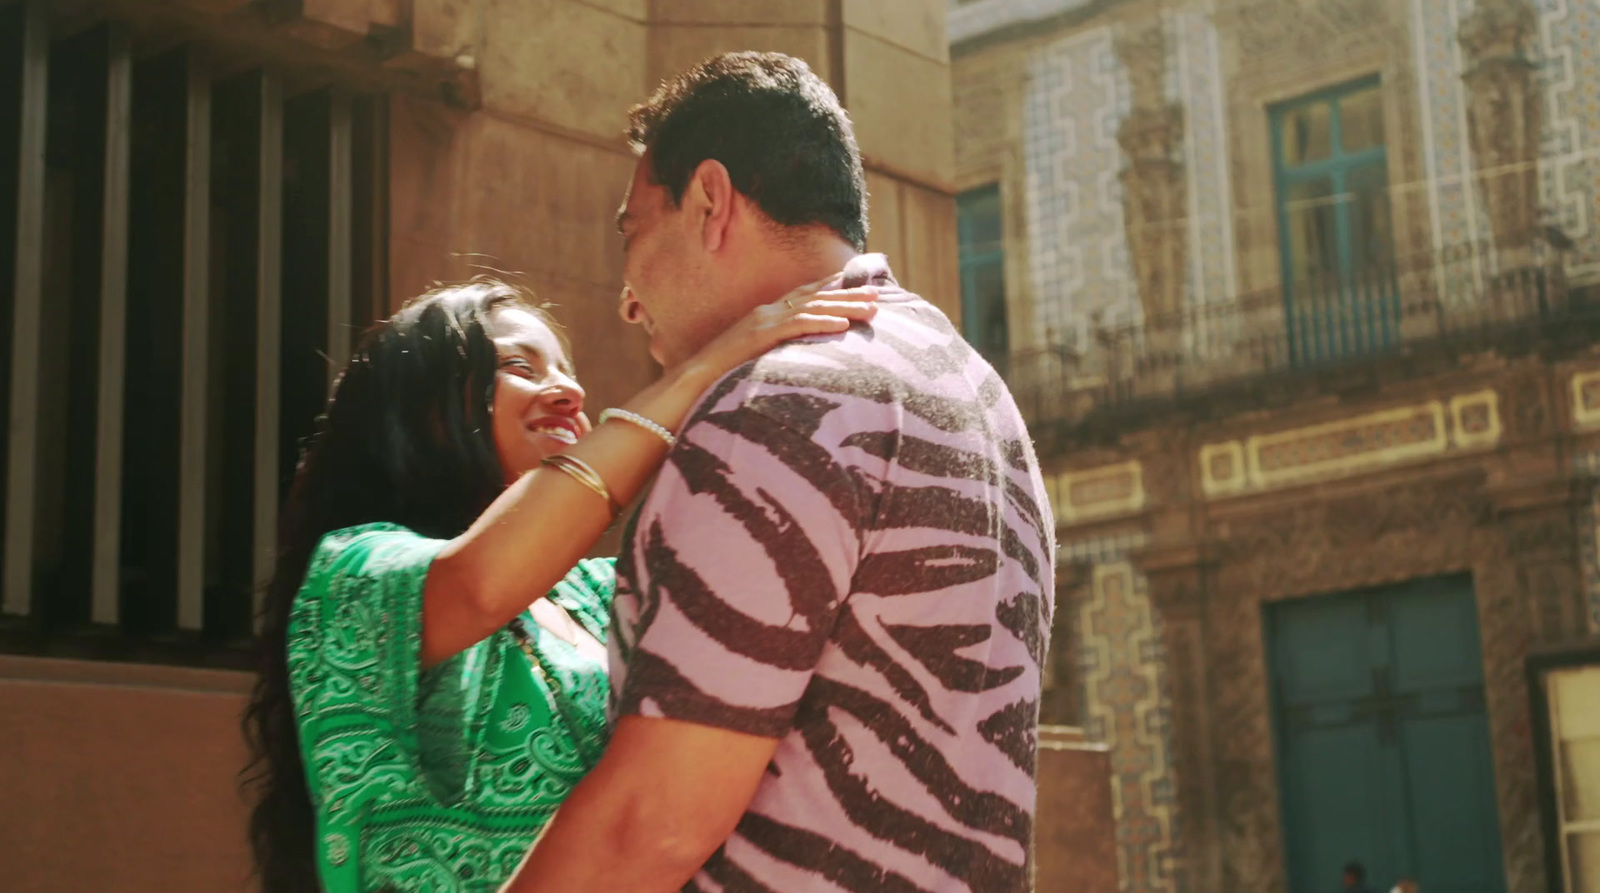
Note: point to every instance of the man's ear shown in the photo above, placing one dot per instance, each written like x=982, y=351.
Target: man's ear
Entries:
x=710, y=196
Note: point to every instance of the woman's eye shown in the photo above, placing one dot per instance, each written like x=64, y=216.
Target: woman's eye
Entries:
x=518, y=366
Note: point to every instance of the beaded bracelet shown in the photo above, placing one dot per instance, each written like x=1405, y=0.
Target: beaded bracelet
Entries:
x=650, y=425
x=583, y=473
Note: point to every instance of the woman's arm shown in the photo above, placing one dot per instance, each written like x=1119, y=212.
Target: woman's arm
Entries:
x=535, y=532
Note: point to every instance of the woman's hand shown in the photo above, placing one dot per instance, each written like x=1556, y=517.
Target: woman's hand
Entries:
x=816, y=308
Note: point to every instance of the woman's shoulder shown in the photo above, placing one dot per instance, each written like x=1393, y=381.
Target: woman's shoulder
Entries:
x=365, y=544
x=369, y=536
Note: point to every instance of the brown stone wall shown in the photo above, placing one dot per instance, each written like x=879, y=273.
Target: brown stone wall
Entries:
x=117, y=777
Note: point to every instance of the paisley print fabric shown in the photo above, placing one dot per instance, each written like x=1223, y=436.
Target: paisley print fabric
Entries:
x=433, y=781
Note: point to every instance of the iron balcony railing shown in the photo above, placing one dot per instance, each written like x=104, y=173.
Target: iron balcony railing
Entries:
x=1460, y=293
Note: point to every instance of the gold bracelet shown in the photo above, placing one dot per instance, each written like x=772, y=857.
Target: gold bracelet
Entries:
x=583, y=473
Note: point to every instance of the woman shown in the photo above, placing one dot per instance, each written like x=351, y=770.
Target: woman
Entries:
x=415, y=722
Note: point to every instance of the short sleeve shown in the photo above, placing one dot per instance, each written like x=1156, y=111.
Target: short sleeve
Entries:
x=738, y=564
x=354, y=650
x=586, y=593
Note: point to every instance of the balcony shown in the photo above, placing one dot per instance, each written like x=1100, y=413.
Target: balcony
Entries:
x=1436, y=305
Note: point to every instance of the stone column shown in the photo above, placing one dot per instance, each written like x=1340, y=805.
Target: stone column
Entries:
x=1177, y=577
x=1503, y=119
x=1154, y=190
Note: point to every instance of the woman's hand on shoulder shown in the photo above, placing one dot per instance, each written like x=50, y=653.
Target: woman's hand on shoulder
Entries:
x=816, y=308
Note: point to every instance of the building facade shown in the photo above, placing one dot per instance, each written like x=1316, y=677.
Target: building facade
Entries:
x=1299, y=298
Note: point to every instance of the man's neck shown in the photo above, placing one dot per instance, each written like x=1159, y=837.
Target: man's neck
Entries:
x=789, y=269
x=777, y=271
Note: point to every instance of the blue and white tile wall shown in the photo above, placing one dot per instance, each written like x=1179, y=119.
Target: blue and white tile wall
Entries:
x=1077, y=95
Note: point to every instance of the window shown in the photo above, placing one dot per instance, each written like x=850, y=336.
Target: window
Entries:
x=186, y=246
x=1331, y=172
x=983, y=274
x=1574, y=720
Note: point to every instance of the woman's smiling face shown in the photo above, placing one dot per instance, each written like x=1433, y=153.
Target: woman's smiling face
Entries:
x=538, y=403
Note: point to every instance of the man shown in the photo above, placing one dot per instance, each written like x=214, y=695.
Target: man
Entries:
x=834, y=602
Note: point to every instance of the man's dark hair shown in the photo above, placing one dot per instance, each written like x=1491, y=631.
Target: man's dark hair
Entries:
x=778, y=129
x=1356, y=872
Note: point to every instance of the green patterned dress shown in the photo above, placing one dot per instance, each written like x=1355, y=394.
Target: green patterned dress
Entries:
x=438, y=780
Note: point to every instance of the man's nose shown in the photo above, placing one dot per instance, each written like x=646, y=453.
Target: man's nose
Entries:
x=629, y=308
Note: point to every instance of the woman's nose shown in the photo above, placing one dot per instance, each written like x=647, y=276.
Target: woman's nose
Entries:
x=565, y=393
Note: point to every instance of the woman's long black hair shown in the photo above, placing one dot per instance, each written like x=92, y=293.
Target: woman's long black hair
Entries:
x=408, y=438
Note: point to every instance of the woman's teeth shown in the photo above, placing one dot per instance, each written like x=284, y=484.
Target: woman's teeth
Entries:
x=564, y=435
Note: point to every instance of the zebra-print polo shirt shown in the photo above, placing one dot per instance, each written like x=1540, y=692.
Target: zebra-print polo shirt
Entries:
x=850, y=550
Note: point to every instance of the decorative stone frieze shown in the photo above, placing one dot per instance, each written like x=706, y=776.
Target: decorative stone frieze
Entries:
x=1351, y=446
x=1096, y=493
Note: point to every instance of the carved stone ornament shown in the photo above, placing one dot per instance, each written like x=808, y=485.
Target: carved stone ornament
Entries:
x=1503, y=118
x=1154, y=190
x=1497, y=29
x=1155, y=208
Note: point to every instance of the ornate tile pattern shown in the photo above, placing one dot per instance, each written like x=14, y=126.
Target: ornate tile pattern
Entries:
x=1128, y=708
x=1077, y=94
x=1102, y=549
x=1569, y=172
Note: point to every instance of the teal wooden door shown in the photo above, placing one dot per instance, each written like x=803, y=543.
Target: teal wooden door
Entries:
x=1383, y=743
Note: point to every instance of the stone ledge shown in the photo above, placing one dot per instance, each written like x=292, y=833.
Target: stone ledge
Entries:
x=122, y=675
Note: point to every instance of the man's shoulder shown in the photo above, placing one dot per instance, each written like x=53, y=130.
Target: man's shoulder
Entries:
x=909, y=353
x=856, y=367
